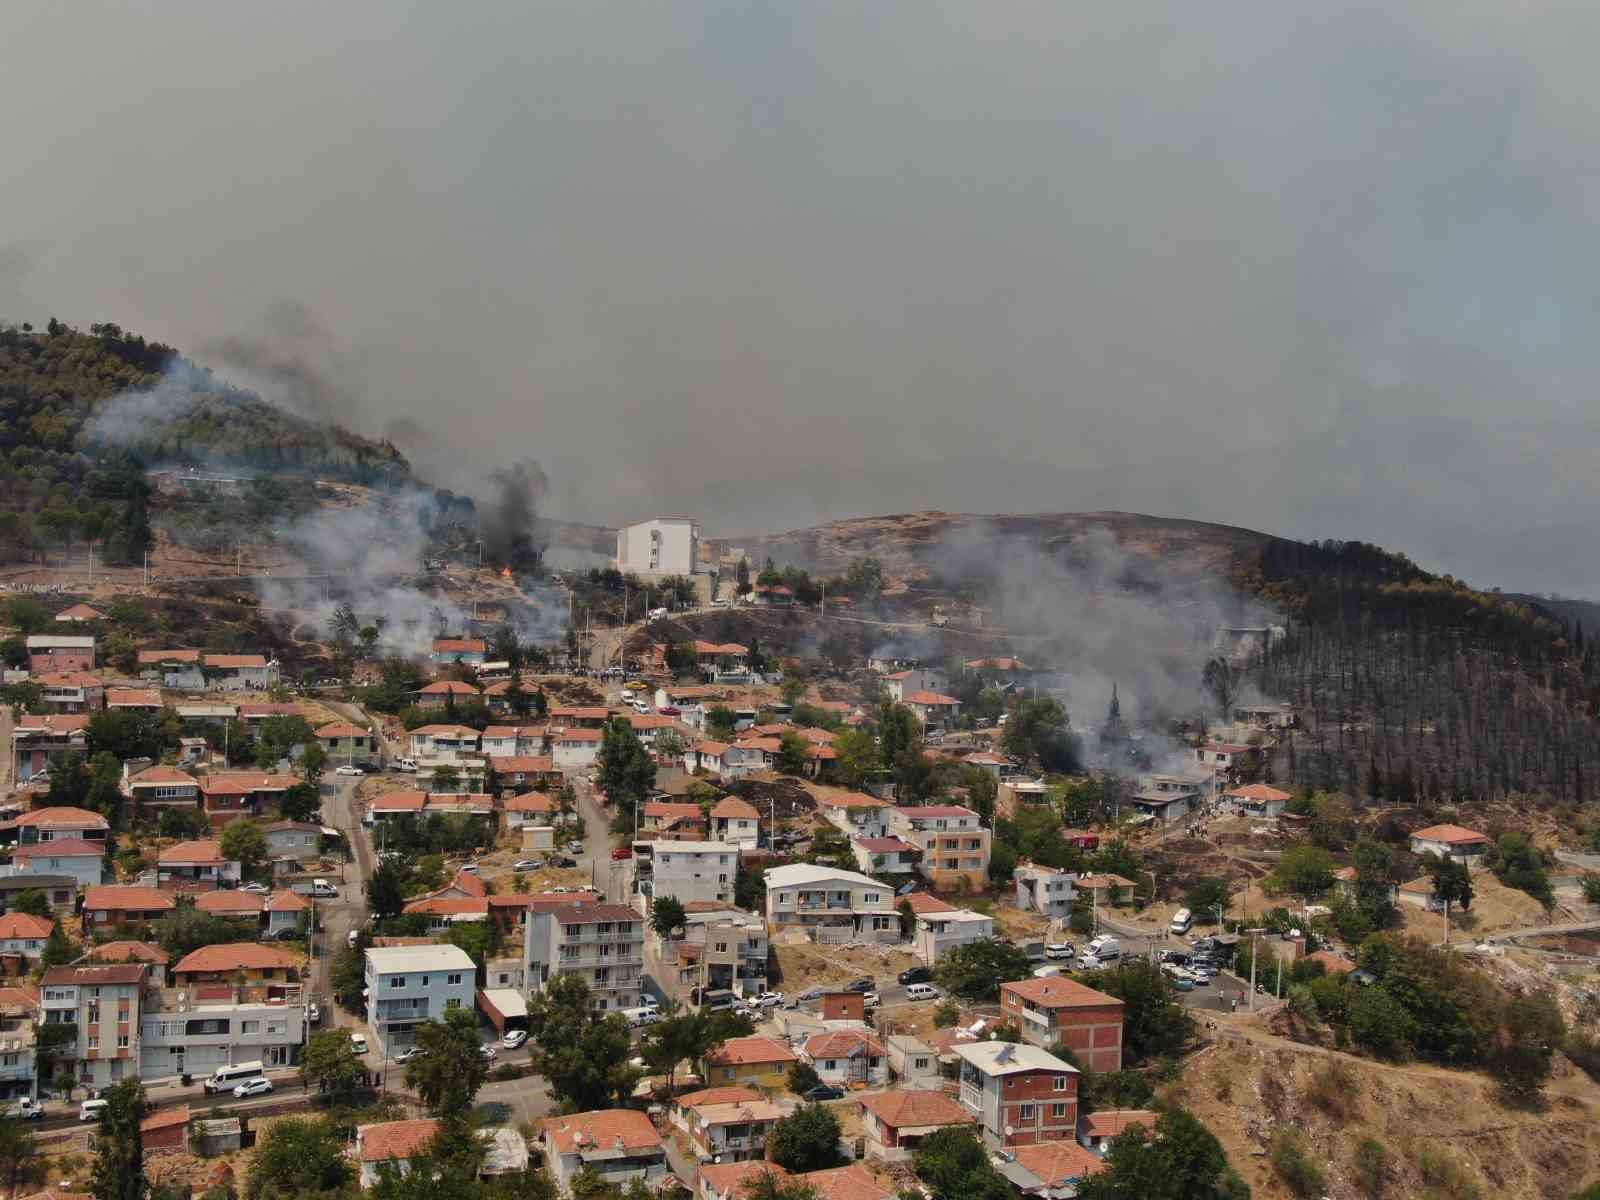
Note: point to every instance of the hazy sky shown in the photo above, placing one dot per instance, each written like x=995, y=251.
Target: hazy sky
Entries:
x=1326, y=270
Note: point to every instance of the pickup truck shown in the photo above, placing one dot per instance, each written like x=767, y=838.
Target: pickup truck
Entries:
x=25, y=1110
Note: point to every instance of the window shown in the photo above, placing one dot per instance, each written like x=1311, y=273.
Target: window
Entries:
x=1058, y=1111
x=453, y=1002
x=1025, y=1112
x=397, y=981
x=250, y=1027
x=1061, y=1083
x=122, y=1041
x=453, y=979
x=94, y=1041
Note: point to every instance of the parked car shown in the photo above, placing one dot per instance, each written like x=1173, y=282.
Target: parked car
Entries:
x=824, y=1092
x=563, y=862
x=574, y=847
x=768, y=1000
x=253, y=1087
x=810, y=994
x=1183, y=985
x=527, y=864
x=870, y=1000
x=621, y=853
x=409, y=765
x=349, y=770
x=256, y=889
x=324, y=890
x=358, y=1042
x=25, y=1110
x=488, y=1052
x=408, y=1054
x=90, y=1110
x=514, y=1038
x=471, y=868
x=860, y=985
x=916, y=975
x=1058, y=950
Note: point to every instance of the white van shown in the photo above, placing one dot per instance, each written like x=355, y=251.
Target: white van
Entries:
x=225, y=1079
x=640, y=1017
x=1105, y=948
x=1181, y=920
x=323, y=889
x=921, y=991
x=90, y=1110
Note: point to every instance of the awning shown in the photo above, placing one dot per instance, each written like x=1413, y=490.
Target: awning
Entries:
x=330, y=831
x=508, y=1002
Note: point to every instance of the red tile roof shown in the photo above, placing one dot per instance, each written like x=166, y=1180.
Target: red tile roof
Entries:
x=236, y=661
x=165, y=1118
x=395, y=1140
x=842, y=1043
x=236, y=956
x=341, y=729
x=1059, y=992
x=1451, y=835
x=732, y=808
x=62, y=817
x=854, y=1182
x=113, y=897
x=60, y=848
x=934, y=812
x=207, y=851
x=915, y=1108
x=938, y=699
x=154, y=657
x=229, y=903
x=1060, y=1162
x=129, y=951
x=737, y=1179
x=885, y=845
x=287, y=902
x=459, y=645
x=159, y=774
x=96, y=976
x=449, y=687
x=851, y=800
x=242, y=783
x=603, y=1130
x=529, y=802
x=1112, y=1122
x=926, y=903
x=717, y=1095
x=448, y=906
x=1258, y=791
x=744, y=1051
x=24, y=926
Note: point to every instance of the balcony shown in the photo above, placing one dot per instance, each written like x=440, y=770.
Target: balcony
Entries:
x=971, y=1098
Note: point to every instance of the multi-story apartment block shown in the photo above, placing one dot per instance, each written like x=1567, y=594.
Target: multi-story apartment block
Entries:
x=721, y=948
x=603, y=944
x=938, y=933
x=407, y=985
x=103, y=1002
x=1048, y=1011
x=1020, y=1094
x=19, y=1010
x=838, y=906
x=953, y=841
x=689, y=871
x=197, y=1030
x=1044, y=890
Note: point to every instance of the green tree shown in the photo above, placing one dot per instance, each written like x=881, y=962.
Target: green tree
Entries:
x=187, y=928
x=386, y=889
x=584, y=1056
x=1517, y=863
x=313, y=761
x=1452, y=882
x=1154, y=1023
x=244, y=842
x=348, y=977
x=1038, y=733
x=802, y=1078
x=791, y=758
x=1207, y=896
x=1374, y=866
x=59, y=949
x=1182, y=1161
x=908, y=920
x=864, y=579
x=1531, y=1028
x=806, y=1140
x=297, y=1156
x=32, y=901
x=1304, y=870
x=449, y=1069
x=118, y=1172
x=667, y=917
x=976, y=971
x=627, y=771
x=1379, y=1024
x=719, y=722
x=331, y=1066
x=858, y=757
x=954, y=1165
x=302, y=802
x=20, y=1159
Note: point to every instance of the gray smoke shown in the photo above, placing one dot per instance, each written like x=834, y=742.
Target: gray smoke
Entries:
x=508, y=516
x=291, y=361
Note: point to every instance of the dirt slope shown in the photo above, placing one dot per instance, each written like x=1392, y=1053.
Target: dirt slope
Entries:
x=1433, y=1123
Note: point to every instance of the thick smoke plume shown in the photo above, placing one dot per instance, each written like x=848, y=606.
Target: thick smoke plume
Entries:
x=291, y=361
x=508, y=518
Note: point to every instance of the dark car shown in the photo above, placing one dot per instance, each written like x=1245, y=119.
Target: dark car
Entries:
x=859, y=985
x=563, y=862
x=824, y=1092
x=916, y=975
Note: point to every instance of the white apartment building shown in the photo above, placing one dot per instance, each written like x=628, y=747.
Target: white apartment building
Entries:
x=662, y=546
x=941, y=932
x=601, y=943
x=721, y=949
x=103, y=1002
x=185, y=1032
x=838, y=906
x=689, y=871
x=407, y=985
x=1044, y=890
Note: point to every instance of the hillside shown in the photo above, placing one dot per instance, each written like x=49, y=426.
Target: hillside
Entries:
x=83, y=416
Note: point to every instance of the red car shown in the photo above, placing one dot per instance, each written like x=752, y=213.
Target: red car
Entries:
x=622, y=852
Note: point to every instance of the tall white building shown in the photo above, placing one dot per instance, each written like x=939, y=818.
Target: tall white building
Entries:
x=688, y=870
x=662, y=546
x=407, y=985
x=603, y=944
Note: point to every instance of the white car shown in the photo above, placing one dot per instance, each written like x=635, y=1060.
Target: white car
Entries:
x=514, y=1038
x=527, y=864
x=257, y=889
x=870, y=1000
x=488, y=1052
x=627, y=694
x=348, y=771
x=358, y=1042
x=1058, y=950
x=314, y=1014
x=768, y=1000
x=253, y=1087
x=408, y=1054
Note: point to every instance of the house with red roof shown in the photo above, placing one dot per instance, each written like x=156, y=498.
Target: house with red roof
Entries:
x=346, y=743
x=736, y=822
x=527, y=771
x=1258, y=799
x=391, y=1145
x=24, y=935
x=855, y=814
x=198, y=862
x=232, y=903
x=36, y=736
x=529, y=808
x=515, y=741
x=83, y=860
x=885, y=855
x=230, y=962
x=728, y=1124
x=229, y=795
x=616, y=1144
x=574, y=748
x=1050, y=1170
x=442, y=693
x=134, y=699
x=848, y=1058
x=157, y=787
x=72, y=691
x=112, y=905
x=284, y=911
x=79, y=613
x=1451, y=841
x=953, y=842
x=756, y=1061
x=894, y=1123
x=58, y=824
x=469, y=650
x=934, y=709
x=1099, y=1129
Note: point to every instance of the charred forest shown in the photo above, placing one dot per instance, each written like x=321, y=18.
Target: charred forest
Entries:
x=1417, y=688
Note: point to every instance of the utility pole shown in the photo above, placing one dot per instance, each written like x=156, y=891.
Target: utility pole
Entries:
x=1254, y=954
x=147, y=568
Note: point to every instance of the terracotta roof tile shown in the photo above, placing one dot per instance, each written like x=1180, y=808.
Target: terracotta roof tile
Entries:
x=236, y=956
x=1451, y=835
x=915, y=1107
x=744, y=1051
x=24, y=926
x=842, y=1043
x=113, y=897
x=1059, y=1163
x=1112, y=1122
x=1059, y=992
x=129, y=951
x=854, y=1182
x=602, y=1130
x=229, y=903
x=395, y=1140
x=60, y=848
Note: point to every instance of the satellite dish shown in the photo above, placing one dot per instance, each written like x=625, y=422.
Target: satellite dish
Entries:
x=1010, y=1130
